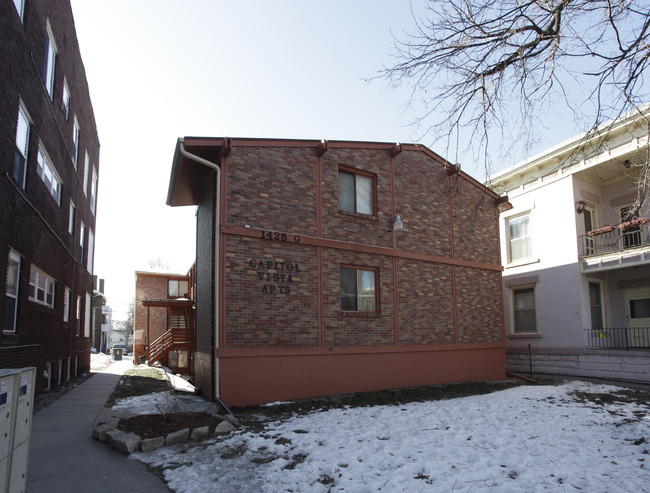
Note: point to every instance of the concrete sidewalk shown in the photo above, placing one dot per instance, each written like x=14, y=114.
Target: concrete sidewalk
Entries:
x=63, y=456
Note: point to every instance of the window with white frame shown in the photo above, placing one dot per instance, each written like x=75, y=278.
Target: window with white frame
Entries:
x=596, y=304
x=22, y=146
x=50, y=60
x=358, y=289
x=177, y=288
x=78, y=317
x=75, y=143
x=356, y=191
x=20, y=7
x=523, y=307
x=86, y=170
x=71, y=218
x=93, y=191
x=82, y=241
x=67, y=298
x=91, y=246
x=65, y=99
x=11, y=292
x=41, y=287
x=48, y=174
x=87, y=317
x=519, y=238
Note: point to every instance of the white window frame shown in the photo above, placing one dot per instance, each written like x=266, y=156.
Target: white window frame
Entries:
x=91, y=247
x=67, y=297
x=93, y=191
x=13, y=257
x=71, y=217
x=39, y=280
x=86, y=171
x=529, y=237
x=65, y=99
x=48, y=174
x=50, y=60
x=75, y=142
x=601, y=289
x=82, y=241
x=87, y=316
x=78, y=318
x=23, y=126
x=513, y=290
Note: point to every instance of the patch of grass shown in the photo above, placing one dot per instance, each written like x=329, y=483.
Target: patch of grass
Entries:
x=139, y=381
x=635, y=396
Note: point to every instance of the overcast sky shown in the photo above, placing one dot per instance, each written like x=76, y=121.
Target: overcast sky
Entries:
x=162, y=69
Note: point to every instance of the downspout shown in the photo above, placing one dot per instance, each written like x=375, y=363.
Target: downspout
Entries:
x=217, y=266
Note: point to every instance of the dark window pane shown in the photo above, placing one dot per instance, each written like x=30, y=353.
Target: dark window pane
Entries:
x=346, y=192
x=640, y=308
x=348, y=289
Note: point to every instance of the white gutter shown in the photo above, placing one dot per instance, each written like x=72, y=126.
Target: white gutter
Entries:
x=217, y=266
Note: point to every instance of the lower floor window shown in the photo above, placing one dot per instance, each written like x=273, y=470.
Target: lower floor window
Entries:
x=524, y=309
x=177, y=359
x=358, y=289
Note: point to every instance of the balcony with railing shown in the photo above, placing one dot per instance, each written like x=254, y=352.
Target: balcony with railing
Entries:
x=615, y=246
x=618, y=338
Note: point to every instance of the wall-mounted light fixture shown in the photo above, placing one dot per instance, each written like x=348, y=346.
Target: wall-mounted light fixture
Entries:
x=398, y=224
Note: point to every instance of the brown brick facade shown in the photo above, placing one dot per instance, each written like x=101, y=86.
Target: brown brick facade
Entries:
x=283, y=241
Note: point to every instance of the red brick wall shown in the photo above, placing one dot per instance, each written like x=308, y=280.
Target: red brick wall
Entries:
x=479, y=305
x=271, y=294
x=149, y=286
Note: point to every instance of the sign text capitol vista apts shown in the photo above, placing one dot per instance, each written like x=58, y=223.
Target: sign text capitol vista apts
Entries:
x=281, y=277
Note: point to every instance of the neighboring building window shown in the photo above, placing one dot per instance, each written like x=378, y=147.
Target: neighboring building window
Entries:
x=78, y=319
x=71, y=218
x=11, y=292
x=356, y=192
x=75, y=145
x=48, y=175
x=50, y=60
x=358, y=289
x=178, y=289
x=596, y=305
x=41, y=287
x=177, y=359
x=91, y=246
x=86, y=169
x=20, y=7
x=519, y=239
x=82, y=241
x=523, y=300
x=67, y=298
x=65, y=99
x=22, y=145
x=87, y=317
x=93, y=191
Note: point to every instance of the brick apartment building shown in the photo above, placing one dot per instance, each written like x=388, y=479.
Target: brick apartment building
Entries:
x=49, y=163
x=334, y=267
x=164, y=319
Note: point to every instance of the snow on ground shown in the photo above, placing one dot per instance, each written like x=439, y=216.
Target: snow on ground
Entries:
x=99, y=361
x=524, y=439
x=167, y=402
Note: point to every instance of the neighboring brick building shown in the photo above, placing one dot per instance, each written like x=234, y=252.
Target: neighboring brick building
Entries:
x=305, y=285
x=49, y=163
x=164, y=319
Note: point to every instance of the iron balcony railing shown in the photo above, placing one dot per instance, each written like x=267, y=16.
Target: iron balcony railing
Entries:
x=610, y=239
x=618, y=338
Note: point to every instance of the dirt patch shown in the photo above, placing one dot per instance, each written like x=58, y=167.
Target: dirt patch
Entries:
x=632, y=396
x=160, y=425
x=139, y=381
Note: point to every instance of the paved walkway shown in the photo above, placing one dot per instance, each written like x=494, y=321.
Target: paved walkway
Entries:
x=63, y=456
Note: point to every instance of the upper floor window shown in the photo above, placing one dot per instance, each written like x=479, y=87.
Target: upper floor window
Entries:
x=524, y=314
x=356, y=191
x=65, y=99
x=93, y=191
x=20, y=7
x=67, y=298
x=519, y=238
x=87, y=316
x=82, y=241
x=41, y=287
x=71, y=218
x=91, y=247
x=358, y=289
x=11, y=298
x=86, y=170
x=75, y=143
x=50, y=59
x=78, y=317
x=49, y=176
x=178, y=289
x=22, y=145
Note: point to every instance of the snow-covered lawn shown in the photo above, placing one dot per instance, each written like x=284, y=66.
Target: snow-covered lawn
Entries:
x=524, y=439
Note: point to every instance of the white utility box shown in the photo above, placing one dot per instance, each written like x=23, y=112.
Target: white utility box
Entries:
x=16, y=411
